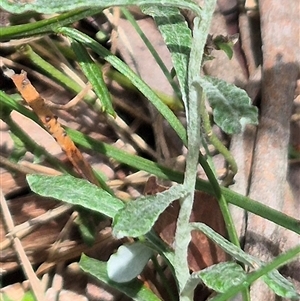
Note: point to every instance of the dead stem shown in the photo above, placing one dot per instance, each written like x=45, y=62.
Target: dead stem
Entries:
x=35, y=283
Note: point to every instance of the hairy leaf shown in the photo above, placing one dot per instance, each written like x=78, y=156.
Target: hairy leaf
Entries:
x=232, y=108
x=128, y=262
x=76, y=192
x=138, y=217
x=178, y=39
x=56, y=6
x=219, y=277
x=280, y=285
x=222, y=276
x=273, y=279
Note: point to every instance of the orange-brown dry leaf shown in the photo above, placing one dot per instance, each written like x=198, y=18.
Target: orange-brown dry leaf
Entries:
x=49, y=120
x=202, y=251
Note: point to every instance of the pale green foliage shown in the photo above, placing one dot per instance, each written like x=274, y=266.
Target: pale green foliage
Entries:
x=280, y=285
x=76, y=192
x=138, y=217
x=178, y=39
x=220, y=277
x=128, y=262
x=273, y=279
x=232, y=108
x=58, y=6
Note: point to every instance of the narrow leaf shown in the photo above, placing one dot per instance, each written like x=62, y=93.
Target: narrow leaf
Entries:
x=135, y=289
x=138, y=217
x=182, y=234
x=154, y=53
x=44, y=26
x=128, y=262
x=76, y=192
x=222, y=276
x=232, y=108
x=126, y=71
x=56, y=6
x=173, y=175
x=163, y=172
x=284, y=290
x=95, y=77
x=280, y=285
x=273, y=279
x=227, y=246
x=178, y=39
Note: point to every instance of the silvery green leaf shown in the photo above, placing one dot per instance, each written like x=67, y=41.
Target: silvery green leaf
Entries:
x=57, y=6
x=128, y=262
x=232, y=108
x=222, y=276
x=76, y=192
x=280, y=285
x=178, y=38
x=138, y=217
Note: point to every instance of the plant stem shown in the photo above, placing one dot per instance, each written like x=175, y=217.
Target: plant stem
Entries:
x=163, y=172
x=215, y=141
x=183, y=232
x=163, y=279
x=176, y=176
x=46, y=26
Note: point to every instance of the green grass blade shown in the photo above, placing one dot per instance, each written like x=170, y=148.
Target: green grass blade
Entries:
x=163, y=172
x=32, y=146
x=166, y=173
x=125, y=70
x=11, y=104
x=94, y=75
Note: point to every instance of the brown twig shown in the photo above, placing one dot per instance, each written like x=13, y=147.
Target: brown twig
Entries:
x=26, y=167
x=22, y=230
x=35, y=283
